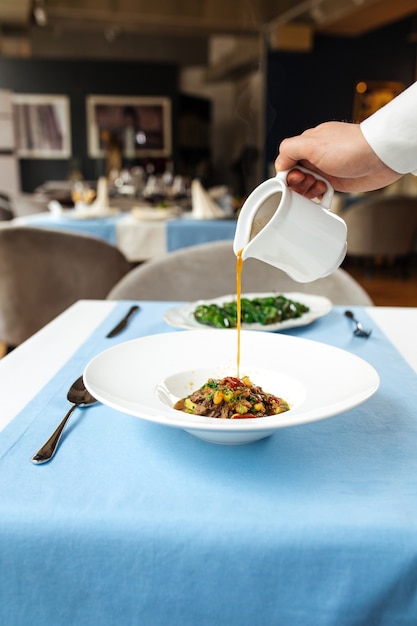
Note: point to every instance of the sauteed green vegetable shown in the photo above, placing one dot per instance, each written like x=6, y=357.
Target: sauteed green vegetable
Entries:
x=262, y=310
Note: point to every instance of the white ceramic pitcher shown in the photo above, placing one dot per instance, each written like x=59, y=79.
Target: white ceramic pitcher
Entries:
x=283, y=228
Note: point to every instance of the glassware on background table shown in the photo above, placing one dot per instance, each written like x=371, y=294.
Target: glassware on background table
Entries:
x=82, y=194
x=155, y=189
x=179, y=189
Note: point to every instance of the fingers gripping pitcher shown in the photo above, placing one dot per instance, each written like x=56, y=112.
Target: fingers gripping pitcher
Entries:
x=284, y=229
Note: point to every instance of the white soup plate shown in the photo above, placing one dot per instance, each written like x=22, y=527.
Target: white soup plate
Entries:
x=146, y=376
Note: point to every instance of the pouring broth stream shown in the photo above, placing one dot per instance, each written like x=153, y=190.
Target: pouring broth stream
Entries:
x=233, y=398
x=239, y=266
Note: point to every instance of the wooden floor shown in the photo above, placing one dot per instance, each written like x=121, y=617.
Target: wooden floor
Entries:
x=386, y=284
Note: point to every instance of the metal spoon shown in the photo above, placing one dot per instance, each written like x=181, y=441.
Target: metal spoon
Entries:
x=79, y=396
x=359, y=330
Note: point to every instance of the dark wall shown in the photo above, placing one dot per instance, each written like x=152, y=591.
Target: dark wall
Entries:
x=77, y=80
x=304, y=90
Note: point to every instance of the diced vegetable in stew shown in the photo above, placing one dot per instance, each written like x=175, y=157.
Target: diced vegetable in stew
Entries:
x=232, y=398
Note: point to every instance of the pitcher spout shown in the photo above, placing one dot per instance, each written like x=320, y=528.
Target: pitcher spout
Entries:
x=258, y=210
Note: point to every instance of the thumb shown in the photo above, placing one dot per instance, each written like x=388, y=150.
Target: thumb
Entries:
x=291, y=152
x=284, y=162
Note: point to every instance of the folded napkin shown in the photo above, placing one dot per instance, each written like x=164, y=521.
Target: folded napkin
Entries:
x=100, y=206
x=55, y=207
x=101, y=203
x=203, y=207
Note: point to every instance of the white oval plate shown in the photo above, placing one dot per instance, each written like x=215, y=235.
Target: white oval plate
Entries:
x=144, y=377
x=183, y=316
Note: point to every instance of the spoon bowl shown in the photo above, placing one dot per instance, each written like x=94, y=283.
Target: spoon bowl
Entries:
x=359, y=330
x=79, y=397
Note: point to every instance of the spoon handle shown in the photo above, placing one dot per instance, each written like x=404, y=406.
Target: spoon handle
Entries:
x=47, y=451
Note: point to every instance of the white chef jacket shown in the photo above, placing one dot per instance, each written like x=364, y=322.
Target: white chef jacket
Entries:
x=392, y=132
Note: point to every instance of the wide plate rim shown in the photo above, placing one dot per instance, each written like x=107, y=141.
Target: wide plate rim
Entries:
x=355, y=379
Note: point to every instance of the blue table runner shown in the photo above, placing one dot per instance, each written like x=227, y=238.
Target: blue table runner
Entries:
x=188, y=232
x=137, y=523
x=181, y=233
x=102, y=228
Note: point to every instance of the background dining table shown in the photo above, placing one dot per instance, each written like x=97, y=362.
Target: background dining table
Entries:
x=138, y=239
x=133, y=522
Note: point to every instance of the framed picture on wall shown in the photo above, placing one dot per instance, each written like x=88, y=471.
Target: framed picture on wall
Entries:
x=137, y=126
x=43, y=129
x=371, y=95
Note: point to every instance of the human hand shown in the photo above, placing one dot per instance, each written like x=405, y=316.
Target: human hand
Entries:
x=339, y=152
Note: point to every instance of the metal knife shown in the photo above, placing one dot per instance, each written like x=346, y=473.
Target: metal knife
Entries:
x=123, y=322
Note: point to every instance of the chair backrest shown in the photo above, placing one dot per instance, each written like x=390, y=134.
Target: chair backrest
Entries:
x=42, y=272
x=382, y=226
x=209, y=270
x=6, y=207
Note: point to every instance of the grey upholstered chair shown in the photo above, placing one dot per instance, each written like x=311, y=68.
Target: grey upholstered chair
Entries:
x=42, y=272
x=209, y=270
x=382, y=226
x=6, y=207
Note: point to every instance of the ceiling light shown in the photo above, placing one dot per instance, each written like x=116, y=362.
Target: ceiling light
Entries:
x=39, y=13
x=112, y=33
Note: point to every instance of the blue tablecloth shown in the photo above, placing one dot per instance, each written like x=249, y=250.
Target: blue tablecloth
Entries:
x=133, y=523
x=102, y=228
x=180, y=233
x=188, y=232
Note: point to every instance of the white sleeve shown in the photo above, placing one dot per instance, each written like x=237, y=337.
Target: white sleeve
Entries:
x=392, y=132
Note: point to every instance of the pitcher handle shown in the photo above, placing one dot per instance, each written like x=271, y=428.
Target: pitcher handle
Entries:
x=328, y=194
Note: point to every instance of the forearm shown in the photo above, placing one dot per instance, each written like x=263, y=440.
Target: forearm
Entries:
x=392, y=132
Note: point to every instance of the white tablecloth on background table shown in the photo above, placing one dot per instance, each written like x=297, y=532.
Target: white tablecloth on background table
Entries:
x=138, y=239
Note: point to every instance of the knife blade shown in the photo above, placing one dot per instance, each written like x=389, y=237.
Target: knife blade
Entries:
x=123, y=322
